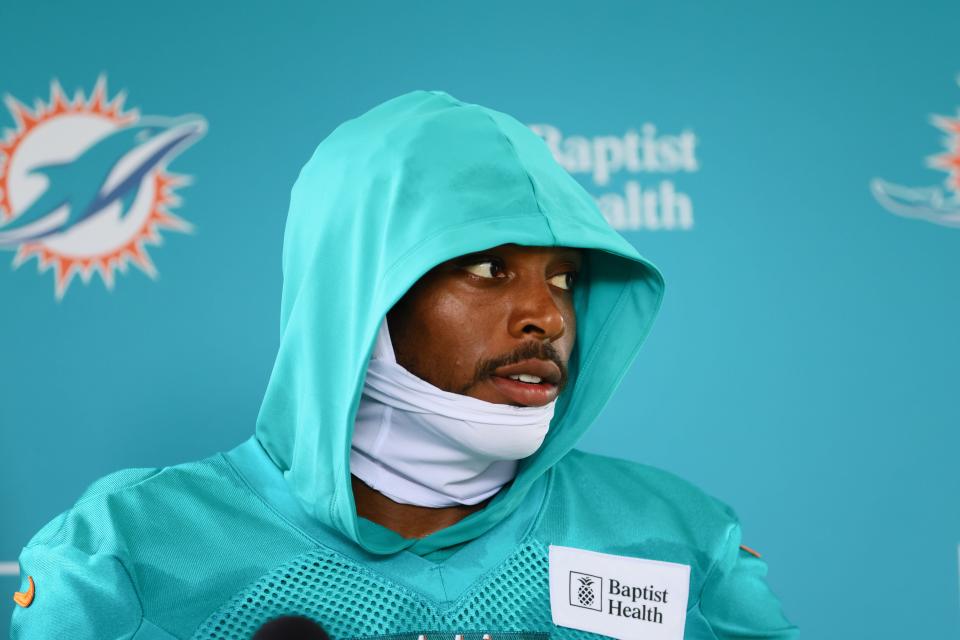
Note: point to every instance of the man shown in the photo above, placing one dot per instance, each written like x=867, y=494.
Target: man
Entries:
x=455, y=314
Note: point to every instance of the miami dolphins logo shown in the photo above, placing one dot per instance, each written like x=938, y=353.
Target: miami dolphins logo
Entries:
x=940, y=205
x=84, y=185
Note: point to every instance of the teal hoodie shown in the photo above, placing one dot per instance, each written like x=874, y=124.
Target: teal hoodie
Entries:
x=213, y=548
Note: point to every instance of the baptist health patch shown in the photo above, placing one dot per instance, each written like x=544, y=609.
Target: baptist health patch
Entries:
x=618, y=596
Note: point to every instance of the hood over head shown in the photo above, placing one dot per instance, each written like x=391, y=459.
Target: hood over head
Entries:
x=415, y=181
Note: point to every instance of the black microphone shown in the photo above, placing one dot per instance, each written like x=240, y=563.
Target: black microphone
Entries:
x=291, y=628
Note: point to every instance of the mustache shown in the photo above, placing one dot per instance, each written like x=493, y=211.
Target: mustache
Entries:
x=529, y=350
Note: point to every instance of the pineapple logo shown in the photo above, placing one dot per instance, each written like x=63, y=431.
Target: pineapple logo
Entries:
x=585, y=591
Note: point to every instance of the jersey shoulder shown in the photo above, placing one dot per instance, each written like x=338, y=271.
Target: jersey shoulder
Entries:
x=142, y=534
x=111, y=500
x=620, y=506
x=624, y=480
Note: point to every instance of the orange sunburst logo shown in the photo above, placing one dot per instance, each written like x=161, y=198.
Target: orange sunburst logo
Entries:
x=948, y=160
x=84, y=185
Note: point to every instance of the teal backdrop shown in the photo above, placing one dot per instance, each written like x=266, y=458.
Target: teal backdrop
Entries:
x=806, y=366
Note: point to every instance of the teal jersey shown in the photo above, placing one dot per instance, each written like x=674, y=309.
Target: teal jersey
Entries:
x=215, y=548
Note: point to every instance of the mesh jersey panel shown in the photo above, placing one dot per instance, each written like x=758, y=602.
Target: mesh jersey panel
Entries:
x=350, y=601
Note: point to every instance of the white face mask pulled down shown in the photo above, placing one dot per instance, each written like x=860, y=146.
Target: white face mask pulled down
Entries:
x=420, y=445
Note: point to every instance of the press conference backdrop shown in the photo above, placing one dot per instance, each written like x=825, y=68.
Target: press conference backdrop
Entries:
x=791, y=166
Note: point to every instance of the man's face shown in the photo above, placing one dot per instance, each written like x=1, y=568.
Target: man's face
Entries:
x=497, y=325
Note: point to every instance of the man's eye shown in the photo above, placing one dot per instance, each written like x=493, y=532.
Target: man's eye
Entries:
x=485, y=269
x=563, y=280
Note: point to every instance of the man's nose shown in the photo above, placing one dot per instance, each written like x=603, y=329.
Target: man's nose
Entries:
x=535, y=313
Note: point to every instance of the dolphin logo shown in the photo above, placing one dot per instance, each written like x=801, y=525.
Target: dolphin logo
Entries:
x=25, y=598
x=926, y=203
x=109, y=171
x=932, y=204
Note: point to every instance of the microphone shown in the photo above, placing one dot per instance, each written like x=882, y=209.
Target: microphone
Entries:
x=291, y=628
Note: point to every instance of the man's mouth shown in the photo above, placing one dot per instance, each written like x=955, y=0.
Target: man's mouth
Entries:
x=529, y=383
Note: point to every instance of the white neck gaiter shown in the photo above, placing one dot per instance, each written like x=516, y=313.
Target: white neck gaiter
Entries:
x=420, y=445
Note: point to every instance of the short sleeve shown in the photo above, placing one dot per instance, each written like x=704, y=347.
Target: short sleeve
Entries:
x=736, y=600
x=77, y=595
